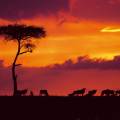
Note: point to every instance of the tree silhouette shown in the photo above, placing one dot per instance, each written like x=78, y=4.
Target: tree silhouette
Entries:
x=22, y=35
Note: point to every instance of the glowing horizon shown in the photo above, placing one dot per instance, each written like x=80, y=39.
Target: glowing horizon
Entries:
x=84, y=38
x=74, y=28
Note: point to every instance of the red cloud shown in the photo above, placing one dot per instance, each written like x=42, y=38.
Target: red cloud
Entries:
x=87, y=63
x=102, y=10
x=17, y=9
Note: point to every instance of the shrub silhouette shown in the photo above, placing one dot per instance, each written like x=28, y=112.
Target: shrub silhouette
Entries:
x=22, y=35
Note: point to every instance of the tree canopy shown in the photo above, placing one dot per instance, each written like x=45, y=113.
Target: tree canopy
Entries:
x=21, y=32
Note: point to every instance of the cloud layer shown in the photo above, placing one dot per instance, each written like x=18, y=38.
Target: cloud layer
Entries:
x=17, y=9
x=105, y=10
x=102, y=10
x=61, y=79
x=87, y=63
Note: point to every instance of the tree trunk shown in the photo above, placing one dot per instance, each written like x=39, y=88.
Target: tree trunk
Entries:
x=14, y=76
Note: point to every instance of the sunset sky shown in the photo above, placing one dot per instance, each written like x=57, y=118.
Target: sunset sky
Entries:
x=86, y=29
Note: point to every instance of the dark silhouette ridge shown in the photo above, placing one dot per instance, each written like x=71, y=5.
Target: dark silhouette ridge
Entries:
x=91, y=93
x=78, y=92
x=22, y=35
x=21, y=92
x=44, y=93
x=62, y=108
x=108, y=92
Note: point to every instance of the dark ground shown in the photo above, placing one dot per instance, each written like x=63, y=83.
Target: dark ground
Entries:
x=60, y=108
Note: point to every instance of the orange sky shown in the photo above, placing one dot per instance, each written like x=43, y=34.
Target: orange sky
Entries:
x=74, y=28
x=66, y=38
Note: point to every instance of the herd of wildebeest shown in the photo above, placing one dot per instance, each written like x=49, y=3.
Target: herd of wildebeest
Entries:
x=80, y=92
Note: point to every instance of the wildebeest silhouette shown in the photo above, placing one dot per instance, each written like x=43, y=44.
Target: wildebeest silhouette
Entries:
x=117, y=93
x=21, y=92
x=31, y=93
x=78, y=92
x=71, y=94
x=91, y=93
x=108, y=92
x=44, y=93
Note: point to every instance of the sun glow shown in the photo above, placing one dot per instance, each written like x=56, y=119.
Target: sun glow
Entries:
x=109, y=29
x=68, y=40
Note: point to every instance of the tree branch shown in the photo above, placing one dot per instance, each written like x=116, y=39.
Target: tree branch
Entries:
x=23, y=52
x=18, y=65
x=21, y=46
x=25, y=38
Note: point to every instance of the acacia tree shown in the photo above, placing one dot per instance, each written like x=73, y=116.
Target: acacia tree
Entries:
x=22, y=35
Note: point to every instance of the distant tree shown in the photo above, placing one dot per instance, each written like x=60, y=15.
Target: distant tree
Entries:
x=22, y=35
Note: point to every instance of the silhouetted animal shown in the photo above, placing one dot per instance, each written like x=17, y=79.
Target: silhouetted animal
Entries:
x=108, y=92
x=21, y=92
x=78, y=92
x=71, y=94
x=31, y=93
x=91, y=93
x=117, y=93
x=44, y=93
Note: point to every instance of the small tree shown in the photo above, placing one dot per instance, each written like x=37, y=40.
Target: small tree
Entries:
x=22, y=34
